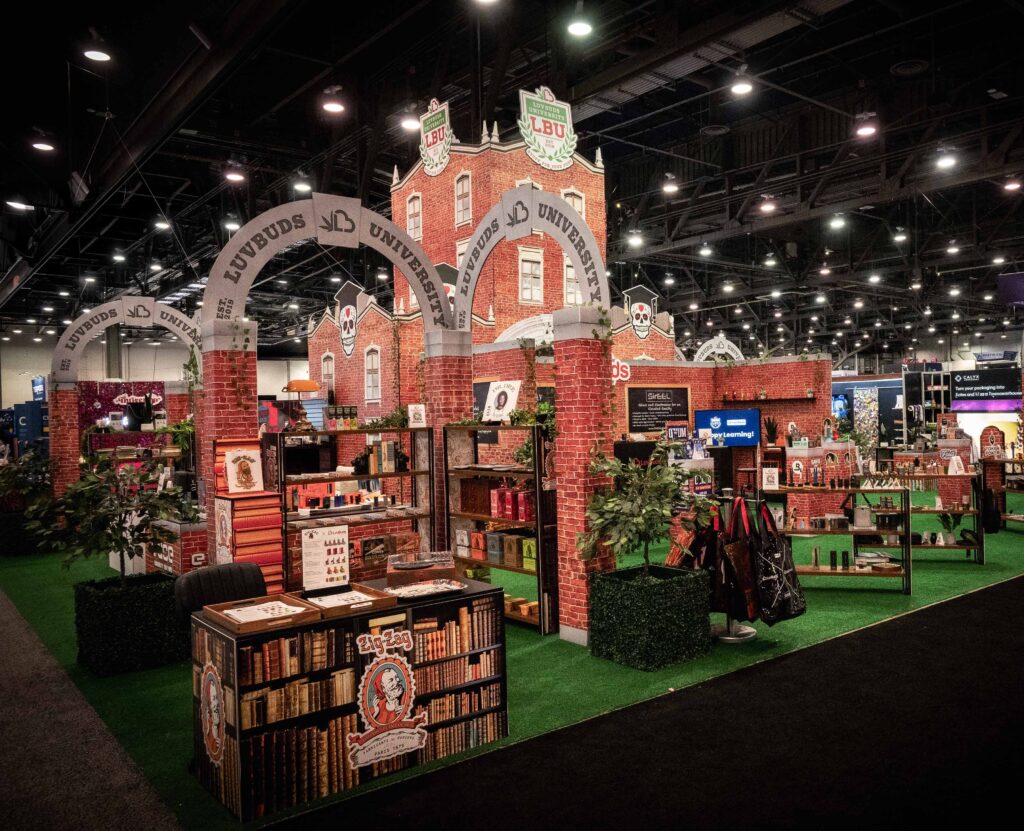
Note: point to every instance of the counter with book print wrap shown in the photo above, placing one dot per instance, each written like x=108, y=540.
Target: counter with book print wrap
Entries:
x=277, y=715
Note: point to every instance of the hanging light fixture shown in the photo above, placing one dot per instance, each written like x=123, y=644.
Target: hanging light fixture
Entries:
x=635, y=238
x=670, y=185
x=900, y=235
x=705, y=250
x=330, y=102
x=865, y=125
x=741, y=84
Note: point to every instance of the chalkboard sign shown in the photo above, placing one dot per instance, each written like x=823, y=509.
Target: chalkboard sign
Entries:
x=651, y=407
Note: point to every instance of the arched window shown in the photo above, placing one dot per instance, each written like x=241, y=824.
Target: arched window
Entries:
x=414, y=216
x=371, y=373
x=463, y=199
x=327, y=376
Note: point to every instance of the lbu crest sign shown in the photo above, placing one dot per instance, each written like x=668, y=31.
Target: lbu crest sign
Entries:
x=435, y=138
x=546, y=126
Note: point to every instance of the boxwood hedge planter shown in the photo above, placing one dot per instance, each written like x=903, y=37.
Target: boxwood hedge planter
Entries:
x=15, y=539
x=127, y=626
x=650, y=622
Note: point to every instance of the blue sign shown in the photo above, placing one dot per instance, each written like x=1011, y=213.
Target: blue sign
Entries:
x=39, y=388
x=730, y=428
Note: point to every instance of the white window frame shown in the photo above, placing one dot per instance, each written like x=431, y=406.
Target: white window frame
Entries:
x=334, y=364
x=366, y=375
x=533, y=255
x=408, y=201
x=583, y=199
x=464, y=244
x=578, y=299
x=414, y=301
x=465, y=174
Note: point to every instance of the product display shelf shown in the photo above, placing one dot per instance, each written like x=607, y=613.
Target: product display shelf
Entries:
x=462, y=453
x=293, y=761
x=278, y=447
x=905, y=572
x=770, y=398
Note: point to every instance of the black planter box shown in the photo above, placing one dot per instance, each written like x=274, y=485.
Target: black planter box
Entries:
x=648, y=623
x=129, y=627
x=16, y=540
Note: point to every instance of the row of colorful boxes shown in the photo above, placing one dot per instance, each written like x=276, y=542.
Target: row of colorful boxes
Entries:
x=508, y=548
x=511, y=504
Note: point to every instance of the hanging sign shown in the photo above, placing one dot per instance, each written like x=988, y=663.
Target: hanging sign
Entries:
x=718, y=345
x=546, y=126
x=435, y=138
x=387, y=693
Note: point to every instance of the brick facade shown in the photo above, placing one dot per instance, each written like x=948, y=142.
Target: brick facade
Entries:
x=64, y=442
x=188, y=552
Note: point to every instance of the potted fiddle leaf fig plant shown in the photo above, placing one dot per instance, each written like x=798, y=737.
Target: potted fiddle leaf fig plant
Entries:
x=645, y=616
x=122, y=623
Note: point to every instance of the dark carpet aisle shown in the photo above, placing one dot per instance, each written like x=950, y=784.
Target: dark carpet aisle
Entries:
x=60, y=767
x=914, y=722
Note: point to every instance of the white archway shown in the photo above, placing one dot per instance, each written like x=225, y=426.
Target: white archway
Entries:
x=331, y=220
x=519, y=212
x=129, y=310
x=538, y=328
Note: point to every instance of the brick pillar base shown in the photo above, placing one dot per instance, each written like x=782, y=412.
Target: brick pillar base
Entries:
x=583, y=376
x=64, y=436
x=229, y=399
x=448, y=379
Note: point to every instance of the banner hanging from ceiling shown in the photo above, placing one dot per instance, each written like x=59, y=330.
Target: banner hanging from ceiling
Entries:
x=436, y=138
x=545, y=124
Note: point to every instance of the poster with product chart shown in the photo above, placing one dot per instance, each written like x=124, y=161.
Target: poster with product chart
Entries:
x=222, y=531
x=325, y=557
x=650, y=408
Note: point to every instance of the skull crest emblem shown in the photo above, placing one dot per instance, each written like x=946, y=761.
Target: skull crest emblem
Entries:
x=640, y=317
x=348, y=329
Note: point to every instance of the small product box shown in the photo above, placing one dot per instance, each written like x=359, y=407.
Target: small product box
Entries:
x=507, y=497
x=496, y=502
x=495, y=547
x=530, y=548
x=530, y=564
x=403, y=542
x=531, y=609
x=513, y=552
x=462, y=537
x=463, y=551
x=525, y=506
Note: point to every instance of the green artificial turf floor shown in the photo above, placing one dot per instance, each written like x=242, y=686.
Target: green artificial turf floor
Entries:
x=551, y=683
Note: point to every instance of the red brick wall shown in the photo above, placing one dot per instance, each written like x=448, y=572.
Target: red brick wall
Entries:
x=513, y=364
x=581, y=370
x=325, y=338
x=493, y=172
x=188, y=552
x=64, y=447
x=176, y=405
x=656, y=346
x=450, y=398
x=229, y=411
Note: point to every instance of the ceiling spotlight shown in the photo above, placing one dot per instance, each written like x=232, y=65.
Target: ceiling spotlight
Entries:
x=746, y=325
x=43, y=146
x=51, y=331
x=824, y=271
x=776, y=294
x=693, y=307
x=837, y=222
x=382, y=273
x=47, y=308
x=579, y=27
x=738, y=310
x=90, y=280
x=330, y=102
x=687, y=333
x=956, y=315
x=916, y=285
x=768, y=205
x=335, y=279
x=875, y=278
x=1011, y=184
x=866, y=126
x=670, y=185
x=635, y=239
x=96, y=52
x=942, y=340
x=235, y=175
x=293, y=305
x=66, y=321
x=232, y=225
x=944, y=161
x=927, y=311
x=847, y=322
x=820, y=298
x=741, y=84
x=770, y=261
x=118, y=258
x=728, y=288
x=987, y=297
x=900, y=235
x=161, y=224
x=705, y=250
x=953, y=248
x=954, y=292
x=302, y=186
x=907, y=326
x=711, y=323
x=31, y=320
x=410, y=123
x=19, y=206
x=152, y=267
x=63, y=293
x=670, y=280
x=777, y=314
x=858, y=304
x=878, y=324
x=998, y=259
x=40, y=340
x=931, y=329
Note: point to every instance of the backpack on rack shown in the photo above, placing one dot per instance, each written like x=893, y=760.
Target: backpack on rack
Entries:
x=778, y=588
x=734, y=582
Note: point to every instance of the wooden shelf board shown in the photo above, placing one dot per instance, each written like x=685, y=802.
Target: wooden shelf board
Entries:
x=925, y=511
x=805, y=571
x=1012, y=517
x=518, y=523
x=456, y=656
x=465, y=716
x=769, y=399
x=489, y=564
x=836, y=491
x=361, y=431
x=851, y=532
x=354, y=521
x=492, y=474
x=320, y=478
x=532, y=621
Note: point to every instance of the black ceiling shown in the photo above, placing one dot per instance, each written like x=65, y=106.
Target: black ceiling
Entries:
x=194, y=87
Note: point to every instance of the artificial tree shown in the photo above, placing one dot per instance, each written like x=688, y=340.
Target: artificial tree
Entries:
x=23, y=482
x=646, y=616
x=122, y=623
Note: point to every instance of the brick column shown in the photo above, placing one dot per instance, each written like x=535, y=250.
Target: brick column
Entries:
x=229, y=398
x=64, y=435
x=448, y=378
x=176, y=401
x=583, y=377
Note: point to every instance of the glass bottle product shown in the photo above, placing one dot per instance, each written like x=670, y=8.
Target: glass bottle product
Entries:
x=846, y=561
x=832, y=559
